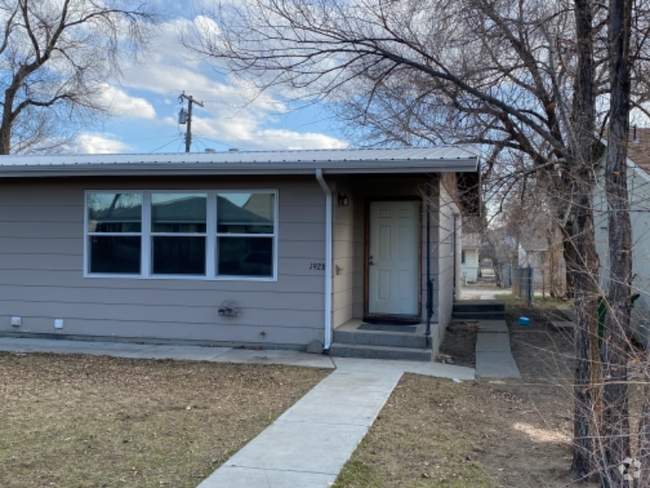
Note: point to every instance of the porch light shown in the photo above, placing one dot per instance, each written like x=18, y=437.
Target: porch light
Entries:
x=343, y=200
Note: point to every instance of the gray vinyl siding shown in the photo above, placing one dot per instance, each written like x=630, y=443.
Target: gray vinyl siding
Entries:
x=344, y=255
x=446, y=279
x=41, y=270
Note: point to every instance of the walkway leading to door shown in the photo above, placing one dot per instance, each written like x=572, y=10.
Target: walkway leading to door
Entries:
x=310, y=443
x=493, y=353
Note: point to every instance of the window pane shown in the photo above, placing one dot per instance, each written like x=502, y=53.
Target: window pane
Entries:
x=179, y=255
x=115, y=254
x=114, y=212
x=178, y=212
x=245, y=256
x=245, y=213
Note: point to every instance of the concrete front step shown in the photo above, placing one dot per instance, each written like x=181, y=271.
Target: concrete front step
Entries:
x=479, y=306
x=479, y=310
x=379, y=352
x=376, y=338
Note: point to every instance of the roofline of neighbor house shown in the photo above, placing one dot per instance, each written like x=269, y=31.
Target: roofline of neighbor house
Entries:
x=332, y=162
x=638, y=169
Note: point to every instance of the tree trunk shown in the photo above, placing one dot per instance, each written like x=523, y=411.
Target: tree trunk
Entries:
x=584, y=268
x=615, y=349
x=569, y=259
x=6, y=122
x=582, y=259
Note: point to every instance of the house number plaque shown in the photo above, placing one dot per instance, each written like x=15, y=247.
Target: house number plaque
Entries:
x=317, y=266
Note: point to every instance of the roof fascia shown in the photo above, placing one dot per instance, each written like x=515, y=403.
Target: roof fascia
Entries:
x=176, y=169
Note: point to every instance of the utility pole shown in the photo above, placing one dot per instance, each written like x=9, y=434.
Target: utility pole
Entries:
x=187, y=117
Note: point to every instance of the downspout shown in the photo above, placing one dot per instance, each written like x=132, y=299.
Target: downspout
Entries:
x=427, y=333
x=328, y=259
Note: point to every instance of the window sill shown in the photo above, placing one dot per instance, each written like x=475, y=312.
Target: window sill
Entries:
x=181, y=277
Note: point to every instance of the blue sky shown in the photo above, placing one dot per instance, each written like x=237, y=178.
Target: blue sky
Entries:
x=145, y=105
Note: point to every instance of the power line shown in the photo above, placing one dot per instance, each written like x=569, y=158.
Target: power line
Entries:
x=215, y=141
x=166, y=144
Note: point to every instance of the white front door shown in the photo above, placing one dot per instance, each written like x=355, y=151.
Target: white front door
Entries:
x=393, y=258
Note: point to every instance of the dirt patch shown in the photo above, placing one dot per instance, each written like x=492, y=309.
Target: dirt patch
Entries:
x=85, y=421
x=486, y=433
x=459, y=346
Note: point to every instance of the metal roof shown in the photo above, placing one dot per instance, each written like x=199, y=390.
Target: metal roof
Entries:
x=330, y=161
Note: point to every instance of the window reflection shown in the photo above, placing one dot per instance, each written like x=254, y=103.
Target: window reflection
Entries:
x=178, y=212
x=114, y=212
x=245, y=213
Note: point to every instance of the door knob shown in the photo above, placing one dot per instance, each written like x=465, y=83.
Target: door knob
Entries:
x=370, y=261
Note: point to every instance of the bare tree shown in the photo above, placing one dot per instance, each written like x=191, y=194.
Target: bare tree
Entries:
x=55, y=56
x=523, y=76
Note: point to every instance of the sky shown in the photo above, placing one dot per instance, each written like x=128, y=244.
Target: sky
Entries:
x=145, y=106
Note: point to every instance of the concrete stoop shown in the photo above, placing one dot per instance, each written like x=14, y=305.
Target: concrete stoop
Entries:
x=350, y=342
x=479, y=310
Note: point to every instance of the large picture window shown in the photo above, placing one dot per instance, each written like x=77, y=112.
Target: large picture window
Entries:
x=210, y=234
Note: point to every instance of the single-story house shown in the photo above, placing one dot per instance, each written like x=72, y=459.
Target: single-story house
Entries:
x=541, y=248
x=638, y=186
x=272, y=249
x=471, y=245
x=532, y=253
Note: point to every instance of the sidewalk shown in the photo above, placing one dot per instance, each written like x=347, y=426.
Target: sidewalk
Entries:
x=493, y=353
x=149, y=351
x=309, y=444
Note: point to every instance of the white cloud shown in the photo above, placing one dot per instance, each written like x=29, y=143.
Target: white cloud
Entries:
x=207, y=26
x=88, y=143
x=121, y=104
x=284, y=139
x=234, y=111
x=245, y=134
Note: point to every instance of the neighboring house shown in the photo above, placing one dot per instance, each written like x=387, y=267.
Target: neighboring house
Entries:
x=259, y=248
x=469, y=258
x=638, y=182
x=545, y=255
x=532, y=252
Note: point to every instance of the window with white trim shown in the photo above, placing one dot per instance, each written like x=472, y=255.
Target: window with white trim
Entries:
x=209, y=234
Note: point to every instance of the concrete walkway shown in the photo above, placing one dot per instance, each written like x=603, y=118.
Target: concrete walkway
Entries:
x=180, y=352
x=309, y=444
x=493, y=353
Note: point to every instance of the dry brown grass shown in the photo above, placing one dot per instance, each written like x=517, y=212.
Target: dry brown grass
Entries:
x=478, y=434
x=84, y=421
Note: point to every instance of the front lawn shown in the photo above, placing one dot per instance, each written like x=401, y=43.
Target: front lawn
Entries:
x=84, y=421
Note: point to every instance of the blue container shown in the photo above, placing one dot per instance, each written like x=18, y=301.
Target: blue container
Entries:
x=524, y=321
